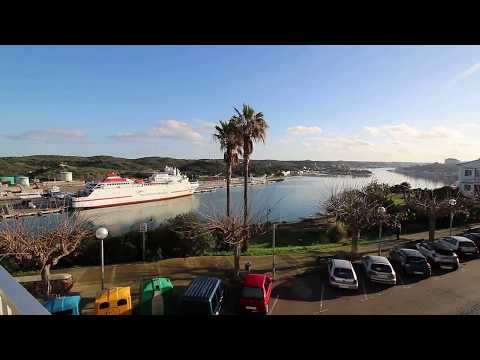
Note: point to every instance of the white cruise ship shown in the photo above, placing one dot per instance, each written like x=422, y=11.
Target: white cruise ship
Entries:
x=115, y=190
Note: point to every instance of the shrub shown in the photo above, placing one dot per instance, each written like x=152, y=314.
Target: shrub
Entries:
x=336, y=232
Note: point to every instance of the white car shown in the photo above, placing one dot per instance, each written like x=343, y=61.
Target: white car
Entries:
x=341, y=274
x=378, y=269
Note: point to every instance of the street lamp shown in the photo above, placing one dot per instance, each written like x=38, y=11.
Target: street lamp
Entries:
x=452, y=203
x=381, y=212
x=102, y=234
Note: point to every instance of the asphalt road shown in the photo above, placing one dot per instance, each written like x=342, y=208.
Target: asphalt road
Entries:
x=454, y=292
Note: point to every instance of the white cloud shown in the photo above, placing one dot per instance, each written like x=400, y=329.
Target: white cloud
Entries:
x=373, y=131
x=394, y=142
x=404, y=132
x=338, y=142
x=464, y=75
x=304, y=130
x=171, y=129
x=50, y=135
x=205, y=126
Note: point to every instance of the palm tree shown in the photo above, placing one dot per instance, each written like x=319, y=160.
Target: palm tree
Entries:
x=227, y=135
x=253, y=128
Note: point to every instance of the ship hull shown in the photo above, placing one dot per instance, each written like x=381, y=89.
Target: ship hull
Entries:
x=91, y=203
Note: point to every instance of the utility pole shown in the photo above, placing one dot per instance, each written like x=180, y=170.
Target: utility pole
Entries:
x=273, y=250
x=143, y=230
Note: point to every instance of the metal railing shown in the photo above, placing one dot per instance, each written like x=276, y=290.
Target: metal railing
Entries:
x=15, y=299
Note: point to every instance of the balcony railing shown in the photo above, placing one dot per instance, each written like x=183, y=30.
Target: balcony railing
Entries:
x=15, y=299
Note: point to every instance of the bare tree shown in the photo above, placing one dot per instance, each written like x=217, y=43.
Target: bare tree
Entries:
x=43, y=245
x=231, y=230
x=358, y=208
x=435, y=203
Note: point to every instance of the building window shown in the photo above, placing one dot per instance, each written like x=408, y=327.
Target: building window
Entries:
x=468, y=172
x=467, y=187
x=477, y=172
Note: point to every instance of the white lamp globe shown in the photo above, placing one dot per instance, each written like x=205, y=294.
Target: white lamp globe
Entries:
x=452, y=202
x=382, y=210
x=101, y=233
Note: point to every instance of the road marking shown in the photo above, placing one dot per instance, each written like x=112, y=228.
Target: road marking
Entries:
x=273, y=306
x=322, y=310
x=365, y=296
x=321, y=297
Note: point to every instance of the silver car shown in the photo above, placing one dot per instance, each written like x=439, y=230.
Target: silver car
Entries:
x=341, y=274
x=378, y=269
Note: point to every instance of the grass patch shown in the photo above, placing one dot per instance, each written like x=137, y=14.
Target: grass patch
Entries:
x=398, y=199
x=265, y=249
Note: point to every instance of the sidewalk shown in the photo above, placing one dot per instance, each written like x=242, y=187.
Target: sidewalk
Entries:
x=182, y=270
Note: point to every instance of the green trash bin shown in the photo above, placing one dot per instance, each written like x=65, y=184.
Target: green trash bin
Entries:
x=156, y=296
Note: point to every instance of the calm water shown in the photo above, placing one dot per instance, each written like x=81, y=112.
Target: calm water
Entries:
x=294, y=198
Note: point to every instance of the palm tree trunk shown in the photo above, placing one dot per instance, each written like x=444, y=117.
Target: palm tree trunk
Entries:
x=229, y=175
x=245, y=201
x=46, y=287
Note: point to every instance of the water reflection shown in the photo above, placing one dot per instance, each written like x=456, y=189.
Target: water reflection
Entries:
x=123, y=219
x=292, y=199
x=301, y=197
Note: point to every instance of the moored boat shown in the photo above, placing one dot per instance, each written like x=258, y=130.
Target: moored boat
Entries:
x=115, y=190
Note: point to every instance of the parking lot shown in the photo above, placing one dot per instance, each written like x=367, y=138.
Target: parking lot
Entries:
x=455, y=292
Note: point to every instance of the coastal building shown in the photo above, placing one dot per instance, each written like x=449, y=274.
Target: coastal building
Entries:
x=451, y=161
x=22, y=180
x=7, y=179
x=285, y=173
x=66, y=176
x=469, y=178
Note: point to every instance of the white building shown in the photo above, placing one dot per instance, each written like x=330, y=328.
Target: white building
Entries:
x=66, y=176
x=451, y=161
x=469, y=178
x=286, y=173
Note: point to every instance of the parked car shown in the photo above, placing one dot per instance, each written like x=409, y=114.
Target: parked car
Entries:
x=64, y=305
x=411, y=262
x=378, y=269
x=438, y=254
x=341, y=274
x=475, y=237
x=462, y=246
x=114, y=301
x=256, y=292
x=475, y=229
x=156, y=296
x=204, y=296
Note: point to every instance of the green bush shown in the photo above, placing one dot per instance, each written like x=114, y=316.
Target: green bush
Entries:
x=336, y=232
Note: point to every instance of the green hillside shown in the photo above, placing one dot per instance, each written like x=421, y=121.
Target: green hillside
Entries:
x=47, y=167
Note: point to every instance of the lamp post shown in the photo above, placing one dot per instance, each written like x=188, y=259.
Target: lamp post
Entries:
x=452, y=203
x=101, y=234
x=381, y=213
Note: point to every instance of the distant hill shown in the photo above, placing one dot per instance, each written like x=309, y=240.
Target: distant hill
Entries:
x=437, y=171
x=94, y=167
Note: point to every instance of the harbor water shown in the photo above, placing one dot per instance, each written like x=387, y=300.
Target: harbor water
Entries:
x=289, y=200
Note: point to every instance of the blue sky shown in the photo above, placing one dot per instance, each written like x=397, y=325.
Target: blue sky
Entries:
x=392, y=103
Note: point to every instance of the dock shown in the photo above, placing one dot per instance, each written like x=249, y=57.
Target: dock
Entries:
x=33, y=212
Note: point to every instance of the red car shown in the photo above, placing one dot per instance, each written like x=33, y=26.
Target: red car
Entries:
x=255, y=294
